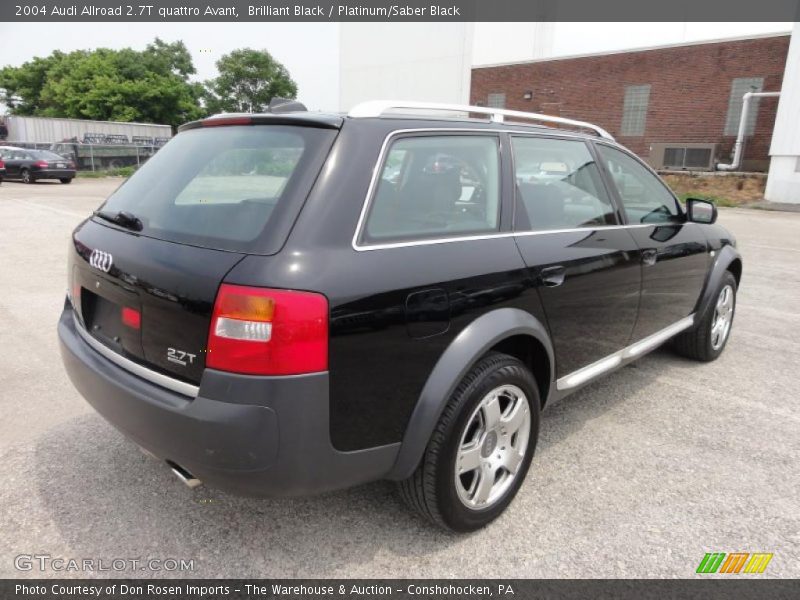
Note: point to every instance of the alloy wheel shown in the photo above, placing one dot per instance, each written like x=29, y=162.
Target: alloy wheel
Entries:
x=492, y=447
x=723, y=317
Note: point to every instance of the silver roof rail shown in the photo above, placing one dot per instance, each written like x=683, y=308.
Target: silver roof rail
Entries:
x=377, y=108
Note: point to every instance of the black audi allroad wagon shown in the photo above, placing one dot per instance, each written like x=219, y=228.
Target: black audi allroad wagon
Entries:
x=293, y=302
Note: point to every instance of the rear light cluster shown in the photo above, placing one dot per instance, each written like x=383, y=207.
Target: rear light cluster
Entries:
x=2, y=165
x=261, y=331
x=41, y=164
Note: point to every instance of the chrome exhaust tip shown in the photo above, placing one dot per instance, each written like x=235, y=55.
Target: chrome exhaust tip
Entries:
x=187, y=478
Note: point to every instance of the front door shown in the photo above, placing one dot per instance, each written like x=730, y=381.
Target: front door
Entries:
x=674, y=252
x=584, y=263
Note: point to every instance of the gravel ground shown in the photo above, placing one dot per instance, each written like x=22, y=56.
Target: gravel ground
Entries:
x=637, y=475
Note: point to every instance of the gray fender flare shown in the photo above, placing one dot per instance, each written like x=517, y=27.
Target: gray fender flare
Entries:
x=473, y=342
x=725, y=256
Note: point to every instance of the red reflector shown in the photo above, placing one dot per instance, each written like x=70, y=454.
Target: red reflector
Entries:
x=132, y=317
x=219, y=121
x=262, y=331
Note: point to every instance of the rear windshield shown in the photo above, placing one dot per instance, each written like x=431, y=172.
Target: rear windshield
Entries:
x=46, y=155
x=222, y=187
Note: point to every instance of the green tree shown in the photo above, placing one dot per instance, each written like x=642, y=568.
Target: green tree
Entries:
x=150, y=86
x=248, y=79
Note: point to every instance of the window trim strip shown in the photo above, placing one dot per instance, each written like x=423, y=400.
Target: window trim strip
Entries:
x=358, y=247
x=170, y=383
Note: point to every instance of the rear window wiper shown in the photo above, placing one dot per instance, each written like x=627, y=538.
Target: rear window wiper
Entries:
x=122, y=218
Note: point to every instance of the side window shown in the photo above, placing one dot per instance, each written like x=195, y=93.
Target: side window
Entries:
x=436, y=186
x=644, y=197
x=558, y=186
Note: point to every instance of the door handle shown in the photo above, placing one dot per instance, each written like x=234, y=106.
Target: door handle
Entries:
x=649, y=256
x=553, y=276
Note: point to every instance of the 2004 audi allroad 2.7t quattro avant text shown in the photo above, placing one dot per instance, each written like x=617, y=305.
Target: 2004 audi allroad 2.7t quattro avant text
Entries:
x=293, y=302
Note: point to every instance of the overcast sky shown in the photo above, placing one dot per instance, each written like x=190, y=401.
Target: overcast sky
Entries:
x=310, y=50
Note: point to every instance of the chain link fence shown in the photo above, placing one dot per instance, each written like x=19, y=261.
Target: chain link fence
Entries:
x=96, y=157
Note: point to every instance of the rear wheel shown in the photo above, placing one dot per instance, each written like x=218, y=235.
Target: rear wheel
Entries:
x=707, y=340
x=26, y=176
x=66, y=180
x=481, y=447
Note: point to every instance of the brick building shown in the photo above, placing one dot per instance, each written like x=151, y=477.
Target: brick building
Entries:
x=654, y=101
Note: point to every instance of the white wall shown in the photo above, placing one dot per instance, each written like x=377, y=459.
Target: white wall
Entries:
x=783, y=181
x=409, y=61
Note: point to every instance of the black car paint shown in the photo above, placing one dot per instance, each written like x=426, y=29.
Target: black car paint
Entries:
x=407, y=321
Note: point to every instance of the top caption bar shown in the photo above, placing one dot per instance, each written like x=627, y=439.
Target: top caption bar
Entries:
x=32, y=11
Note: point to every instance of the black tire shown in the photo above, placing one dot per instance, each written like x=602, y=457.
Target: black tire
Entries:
x=431, y=490
x=66, y=180
x=26, y=176
x=697, y=343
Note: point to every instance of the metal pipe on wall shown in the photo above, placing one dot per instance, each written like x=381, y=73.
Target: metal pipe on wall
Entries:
x=738, y=147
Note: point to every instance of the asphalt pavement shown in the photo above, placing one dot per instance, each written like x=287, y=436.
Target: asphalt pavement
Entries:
x=637, y=475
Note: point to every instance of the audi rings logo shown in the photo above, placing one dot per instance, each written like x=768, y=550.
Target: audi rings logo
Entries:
x=101, y=260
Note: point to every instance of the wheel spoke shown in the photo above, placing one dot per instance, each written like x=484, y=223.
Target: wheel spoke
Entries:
x=512, y=461
x=516, y=418
x=485, y=485
x=491, y=412
x=469, y=458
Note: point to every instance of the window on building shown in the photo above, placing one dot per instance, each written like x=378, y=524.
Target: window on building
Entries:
x=634, y=110
x=739, y=87
x=644, y=197
x=436, y=186
x=558, y=186
x=496, y=101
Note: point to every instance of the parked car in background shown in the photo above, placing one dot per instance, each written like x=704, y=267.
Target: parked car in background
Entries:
x=284, y=304
x=30, y=166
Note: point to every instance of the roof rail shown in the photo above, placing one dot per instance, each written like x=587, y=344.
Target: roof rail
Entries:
x=376, y=108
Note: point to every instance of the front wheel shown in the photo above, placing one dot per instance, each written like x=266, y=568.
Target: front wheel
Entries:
x=481, y=448
x=707, y=340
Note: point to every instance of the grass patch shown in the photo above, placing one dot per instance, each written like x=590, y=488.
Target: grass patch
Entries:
x=121, y=172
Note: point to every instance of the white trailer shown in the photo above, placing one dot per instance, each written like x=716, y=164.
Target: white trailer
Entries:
x=43, y=130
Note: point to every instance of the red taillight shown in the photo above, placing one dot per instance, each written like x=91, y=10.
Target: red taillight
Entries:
x=219, y=121
x=40, y=163
x=2, y=164
x=262, y=331
x=131, y=317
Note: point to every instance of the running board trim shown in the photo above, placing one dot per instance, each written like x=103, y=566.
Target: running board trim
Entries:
x=175, y=385
x=612, y=361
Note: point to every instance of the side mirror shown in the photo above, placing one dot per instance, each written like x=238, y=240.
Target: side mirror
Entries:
x=701, y=211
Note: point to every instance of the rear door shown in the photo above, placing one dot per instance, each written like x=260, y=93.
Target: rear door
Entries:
x=584, y=264
x=13, y=160
x=144, y=285
x=674, y=252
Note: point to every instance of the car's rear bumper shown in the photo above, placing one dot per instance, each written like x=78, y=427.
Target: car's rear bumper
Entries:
x=53, y=173
x=253, y=435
